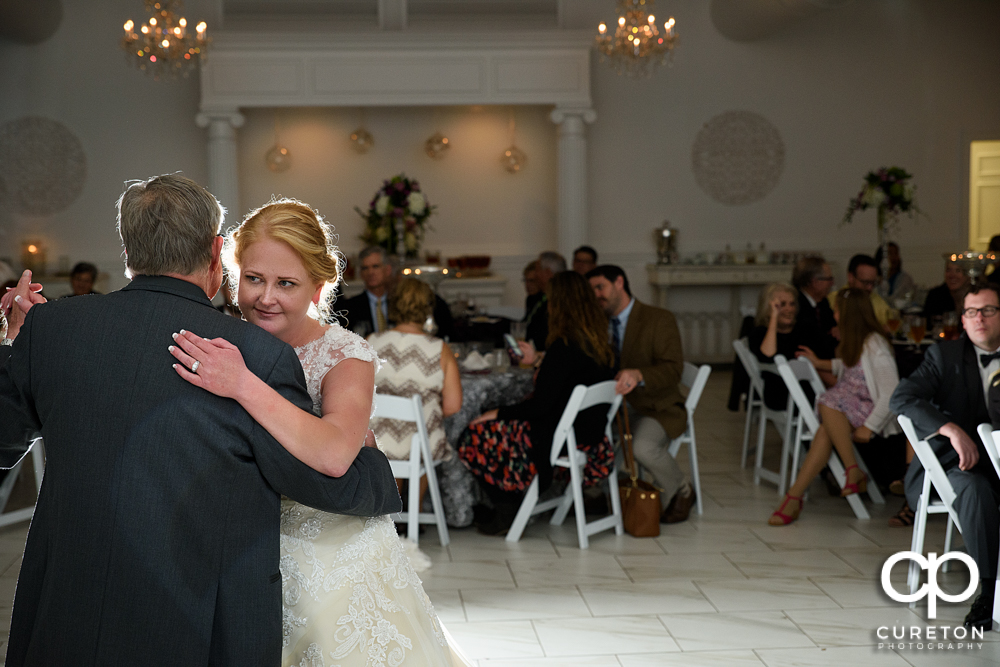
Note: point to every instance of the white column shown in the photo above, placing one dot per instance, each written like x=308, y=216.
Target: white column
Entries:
x=223, y=169
x=572, y=177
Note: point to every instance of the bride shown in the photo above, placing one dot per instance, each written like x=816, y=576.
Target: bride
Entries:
x=349, y=593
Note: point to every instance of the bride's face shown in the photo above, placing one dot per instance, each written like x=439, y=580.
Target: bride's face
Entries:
x=275, y=288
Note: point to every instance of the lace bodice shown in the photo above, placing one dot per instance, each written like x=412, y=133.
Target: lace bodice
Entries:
x=318, y=357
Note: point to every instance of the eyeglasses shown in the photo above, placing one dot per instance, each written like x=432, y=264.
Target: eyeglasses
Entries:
x=826, y=279
x=868, y=283
x=985, y=311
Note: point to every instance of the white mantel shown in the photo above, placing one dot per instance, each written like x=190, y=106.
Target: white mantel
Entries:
x=551, y=67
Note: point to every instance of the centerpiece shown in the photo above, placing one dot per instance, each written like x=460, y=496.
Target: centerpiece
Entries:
x=890, y=192
x=396, y=218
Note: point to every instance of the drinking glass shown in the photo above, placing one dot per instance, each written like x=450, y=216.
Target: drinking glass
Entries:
x=893, y=322
x=918, y=328
x=519, y=330
x=949, y=325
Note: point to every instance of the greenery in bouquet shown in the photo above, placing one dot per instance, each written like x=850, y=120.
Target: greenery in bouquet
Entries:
x=398, y=205
x=889, y=191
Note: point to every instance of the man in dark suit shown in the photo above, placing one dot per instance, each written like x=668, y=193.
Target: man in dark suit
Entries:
x=155, y=538
x=648, y=345
x=814, y=322
x=945, y=398
x=368, y=312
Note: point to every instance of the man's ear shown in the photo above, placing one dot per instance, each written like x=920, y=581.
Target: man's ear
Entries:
x=216, y=261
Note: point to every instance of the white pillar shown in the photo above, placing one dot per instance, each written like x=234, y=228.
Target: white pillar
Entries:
x=572, y=177
x=223, y=169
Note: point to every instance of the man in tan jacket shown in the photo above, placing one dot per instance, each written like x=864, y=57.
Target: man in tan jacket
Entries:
x=647, y=345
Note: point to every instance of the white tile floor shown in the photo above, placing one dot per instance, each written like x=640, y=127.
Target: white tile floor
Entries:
x=721, y=589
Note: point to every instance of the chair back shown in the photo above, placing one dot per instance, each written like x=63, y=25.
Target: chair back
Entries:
x=750, y=363
x=932, y=467
x=694, y=378
x=406, y=409
x=583, y=397
x=991, y=441
x=793, y=372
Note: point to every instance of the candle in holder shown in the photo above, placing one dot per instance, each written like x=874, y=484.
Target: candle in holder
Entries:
x=33, y=256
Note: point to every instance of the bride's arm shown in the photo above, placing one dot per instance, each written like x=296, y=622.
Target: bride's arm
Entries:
x=328, y=444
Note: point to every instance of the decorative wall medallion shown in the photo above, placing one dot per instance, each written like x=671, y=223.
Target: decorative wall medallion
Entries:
x=42, y=165
x=738, y=157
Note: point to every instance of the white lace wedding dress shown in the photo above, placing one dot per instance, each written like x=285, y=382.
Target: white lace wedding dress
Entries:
x=349, y=595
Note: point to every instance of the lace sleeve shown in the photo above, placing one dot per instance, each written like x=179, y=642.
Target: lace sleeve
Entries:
x=320, y=356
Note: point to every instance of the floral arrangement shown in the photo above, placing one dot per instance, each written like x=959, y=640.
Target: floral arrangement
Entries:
x=399, y=207
x=889, y=190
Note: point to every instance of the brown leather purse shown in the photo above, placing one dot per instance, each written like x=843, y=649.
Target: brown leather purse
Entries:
x=640, y=500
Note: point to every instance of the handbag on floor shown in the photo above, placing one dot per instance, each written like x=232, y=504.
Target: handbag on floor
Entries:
x=640, y=499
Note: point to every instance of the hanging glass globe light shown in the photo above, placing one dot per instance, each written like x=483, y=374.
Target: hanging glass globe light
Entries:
x=362, y=140
x=278, y=158
x=436, y=146
x=513, y=159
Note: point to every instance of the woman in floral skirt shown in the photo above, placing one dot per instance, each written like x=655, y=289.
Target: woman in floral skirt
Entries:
x=507, y=448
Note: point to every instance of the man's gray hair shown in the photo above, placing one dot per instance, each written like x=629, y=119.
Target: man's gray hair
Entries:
x=374, y=250
x=167, y=225
x=552, y=262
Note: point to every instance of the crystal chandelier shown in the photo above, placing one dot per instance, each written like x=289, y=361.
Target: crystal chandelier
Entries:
x=163, y=45
x=637, y=45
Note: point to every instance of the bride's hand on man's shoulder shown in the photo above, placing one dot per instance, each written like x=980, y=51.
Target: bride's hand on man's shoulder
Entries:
x=214, y=365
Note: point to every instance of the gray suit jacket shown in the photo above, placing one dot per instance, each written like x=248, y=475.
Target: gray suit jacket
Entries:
x=155, y=535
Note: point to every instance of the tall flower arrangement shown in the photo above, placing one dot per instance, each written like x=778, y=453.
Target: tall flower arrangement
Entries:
x=890, y=192
x=396, y=218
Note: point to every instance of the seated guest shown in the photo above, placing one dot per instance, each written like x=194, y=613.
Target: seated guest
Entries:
x=946, y=399
x=549, y=264
x=584, y=259
x=652, y=363
x=899, y=283
x=82, y=279
x=368, y=312
x=415, y=363
x=862, y=273
x=814, y=322
x=773, y=334
x=857, y=407
x=506, y=449
x=945, y=297
x=994, y=247
x=532, y=290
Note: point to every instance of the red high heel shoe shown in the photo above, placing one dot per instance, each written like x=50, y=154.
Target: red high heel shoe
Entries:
x=859, y=486
x=779, y=518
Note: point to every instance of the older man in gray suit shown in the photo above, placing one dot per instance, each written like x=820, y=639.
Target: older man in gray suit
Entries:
x=155, y=535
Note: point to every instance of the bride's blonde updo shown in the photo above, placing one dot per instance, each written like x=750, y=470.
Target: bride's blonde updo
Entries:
x=302, y=228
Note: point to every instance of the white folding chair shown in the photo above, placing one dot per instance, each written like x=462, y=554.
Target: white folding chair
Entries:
x=420, y=463
x=38, y=460
x=564, y=454
x=991, y=440
x=694, y=378
x=807, y=424
x=756, y=406
x=936, y=478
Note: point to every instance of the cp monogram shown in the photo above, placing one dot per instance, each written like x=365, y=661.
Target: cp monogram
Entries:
x=930, y=590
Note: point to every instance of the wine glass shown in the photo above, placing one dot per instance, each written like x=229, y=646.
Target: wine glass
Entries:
x=949, y=326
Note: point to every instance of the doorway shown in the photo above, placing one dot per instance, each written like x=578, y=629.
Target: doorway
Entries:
x=984, y=193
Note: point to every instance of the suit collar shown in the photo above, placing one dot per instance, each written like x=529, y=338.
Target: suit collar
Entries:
x=633, y=325
x=168, y=285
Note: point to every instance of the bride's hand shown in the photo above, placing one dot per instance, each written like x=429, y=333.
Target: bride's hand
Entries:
x=220, y=370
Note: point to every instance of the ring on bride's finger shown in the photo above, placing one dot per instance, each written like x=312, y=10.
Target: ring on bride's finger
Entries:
x=194, y=367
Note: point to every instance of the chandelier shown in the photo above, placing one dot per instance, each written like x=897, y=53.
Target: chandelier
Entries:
x=163, y=45
x=637, y=46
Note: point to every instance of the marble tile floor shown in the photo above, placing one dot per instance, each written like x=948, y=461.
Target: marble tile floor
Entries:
x=720, y=589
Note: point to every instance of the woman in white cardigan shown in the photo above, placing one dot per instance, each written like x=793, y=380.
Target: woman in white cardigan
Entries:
x=854, y=409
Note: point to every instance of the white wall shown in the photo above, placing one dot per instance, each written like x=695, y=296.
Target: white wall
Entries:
x=882, y=82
